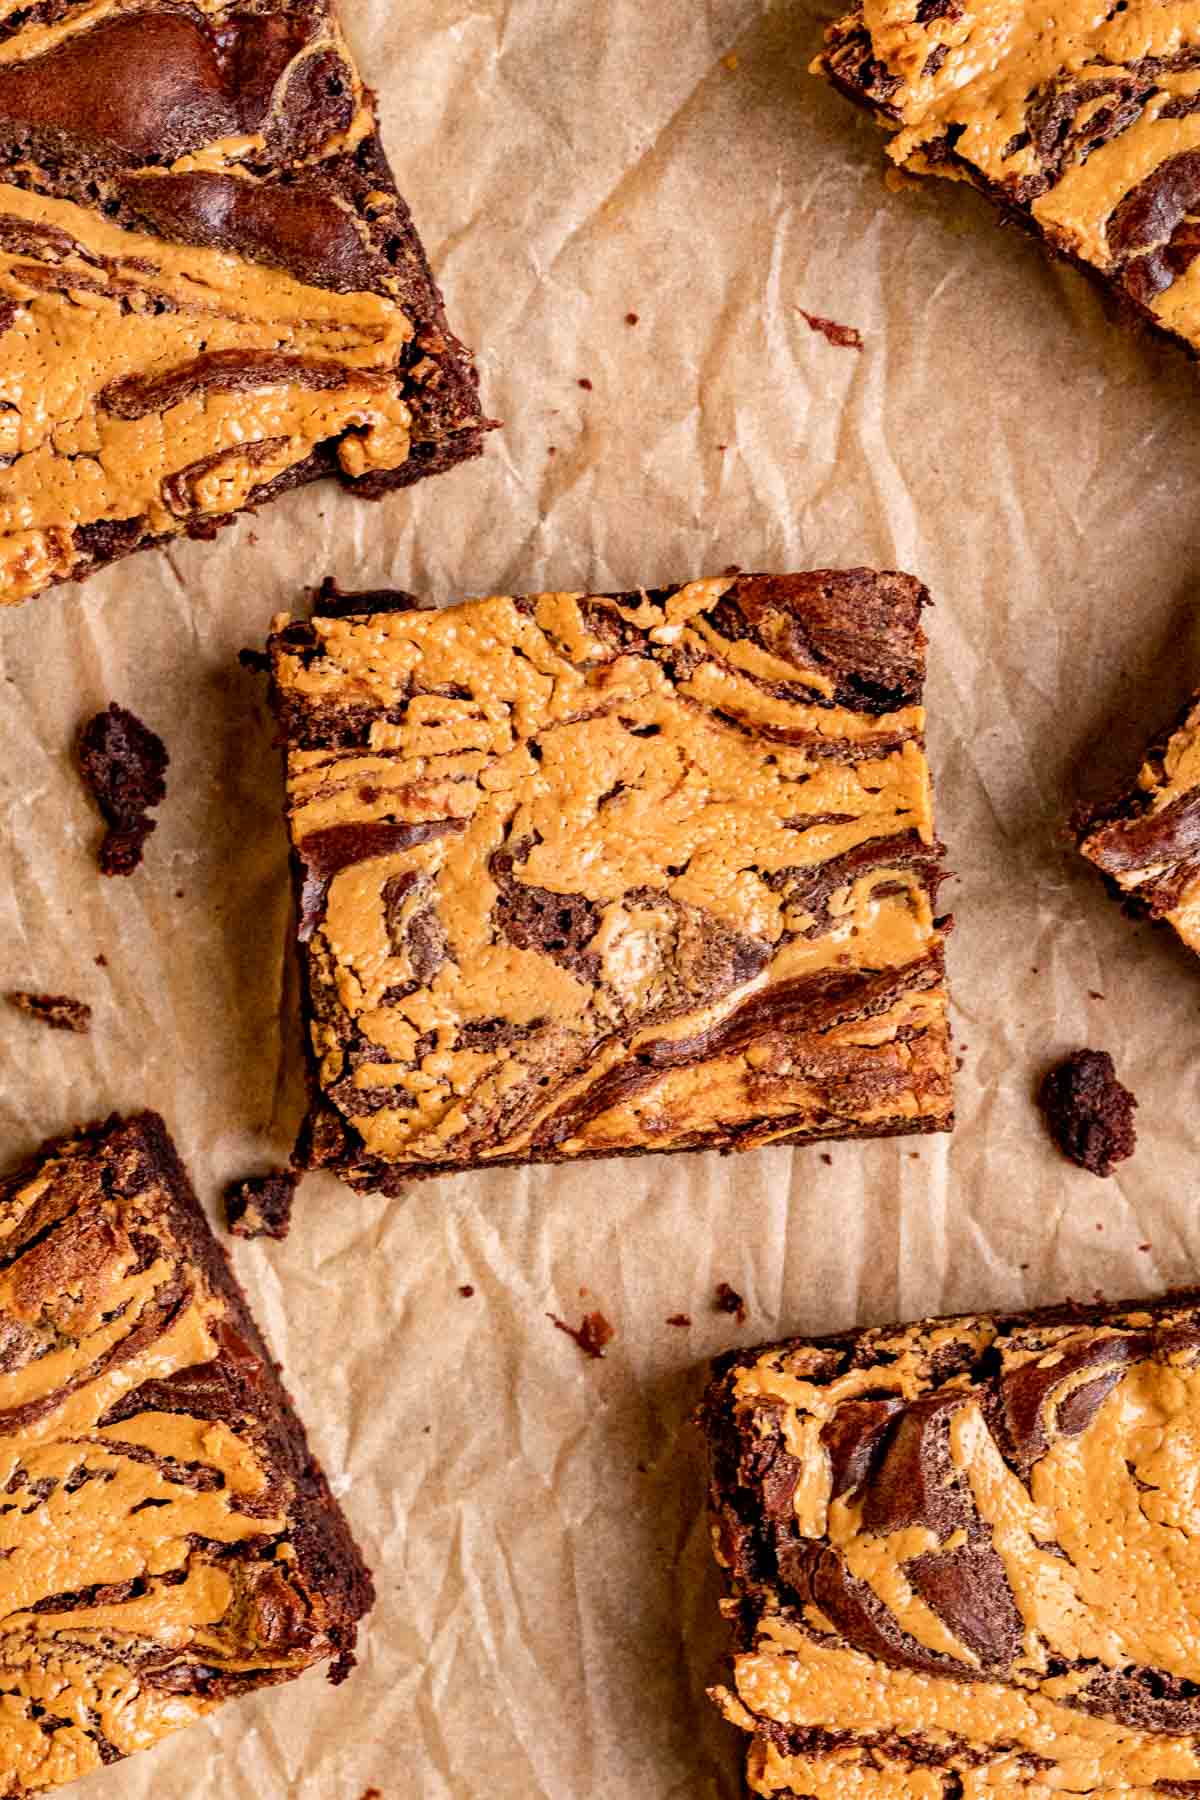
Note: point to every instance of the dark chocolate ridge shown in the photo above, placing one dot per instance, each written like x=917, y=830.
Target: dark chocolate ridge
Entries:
x=322, y=854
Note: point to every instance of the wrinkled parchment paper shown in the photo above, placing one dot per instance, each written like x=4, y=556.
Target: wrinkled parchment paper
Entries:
x=547, y=1612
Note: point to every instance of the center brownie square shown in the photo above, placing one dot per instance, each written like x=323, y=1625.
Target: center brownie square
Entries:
x=582, y=875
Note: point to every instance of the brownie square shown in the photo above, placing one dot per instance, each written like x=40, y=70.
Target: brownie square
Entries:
x=210, y=288
x=962, y=1555
x=584, y=874
x=167, y=1540
x=1146, y=840
x=1081, y=126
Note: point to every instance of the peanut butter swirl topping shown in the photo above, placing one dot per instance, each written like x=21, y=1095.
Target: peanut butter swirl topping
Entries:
x=587, y=873
x=1084, y=118
x=162, y=1526
x=965, y=1556
x=209, y=288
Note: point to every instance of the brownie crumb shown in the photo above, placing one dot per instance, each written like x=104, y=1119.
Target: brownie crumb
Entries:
x=827, y=1159
x=1145, y=1247
x=58, y=1011
x=730, y=568
x=585, y=383
x=683, y=1320
x=101, y=961
x=632, y=318
x=467, y=1291
x=261, y=1206
x=1088, y=1112
x=730, y=1301
x=1093, y=995
x=594, y=1333
x=123, y=763
x=257, y=660
x=844, y=336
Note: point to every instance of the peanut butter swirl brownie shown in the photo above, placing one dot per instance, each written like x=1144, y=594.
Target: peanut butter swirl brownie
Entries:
x=963, y=1556
x=1147, y=840
x=167, y=1540
x=1082, y=122
x=210, y=290
x=584, y=874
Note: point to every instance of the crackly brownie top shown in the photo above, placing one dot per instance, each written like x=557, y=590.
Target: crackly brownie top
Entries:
x=205, y=271
x=559, y=851
x=1088, y=117
x=148, y=1557
x=1148, y=841
x=967, y=1552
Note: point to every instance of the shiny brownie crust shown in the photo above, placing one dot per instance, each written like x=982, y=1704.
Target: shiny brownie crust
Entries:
x=670, y=885
x=958, y=1554
x=198, y=1551
x=152, y=157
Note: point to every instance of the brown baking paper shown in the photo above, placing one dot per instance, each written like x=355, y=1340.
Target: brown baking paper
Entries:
x=547, y=1613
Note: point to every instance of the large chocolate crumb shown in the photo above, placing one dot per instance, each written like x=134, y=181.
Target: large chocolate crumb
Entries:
x=58, y=1011
x=730, y=1301
x=124, y=764
x=261, y=1205
x=1088, y=1112
x=846, y=337
x=591, y=1336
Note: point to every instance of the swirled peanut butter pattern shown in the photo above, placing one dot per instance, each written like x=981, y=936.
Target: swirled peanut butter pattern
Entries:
x=1147, y=842
x=209, y=288
x=965, y=1556
x=159, y=1512
x=1082, y=118
x=582, y=874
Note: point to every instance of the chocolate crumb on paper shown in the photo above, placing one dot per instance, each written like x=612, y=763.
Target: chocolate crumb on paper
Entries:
x=59, y=1011
x=682, y=1320
x=467, y=1291
x=124, y=764
x=729, y=1301
x=632, y=318
x=845, y=337
x=585, y=383
x=261, y=1205
x=1088, y=1112
x=591, y=1336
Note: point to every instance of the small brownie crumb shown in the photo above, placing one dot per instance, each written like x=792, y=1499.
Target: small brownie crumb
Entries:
x=101, y=961
x=730, y=1301
x=261, y=1206
x=58, y=1011
x=124, y=764
x=1088, y=1112
x=631, y=318
x=585, y=383
x=591, y=1336
x=466, y=1290
x=844, y=336
x=683, y=1320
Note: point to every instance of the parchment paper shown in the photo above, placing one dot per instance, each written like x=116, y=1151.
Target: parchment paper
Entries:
x=547, y=1613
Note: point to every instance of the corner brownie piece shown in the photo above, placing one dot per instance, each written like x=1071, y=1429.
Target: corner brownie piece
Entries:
x=210, y=289
x=1146, y=841
x=963, y=1555
x=167, y=1539
x=1081, y=125
x=588, y=874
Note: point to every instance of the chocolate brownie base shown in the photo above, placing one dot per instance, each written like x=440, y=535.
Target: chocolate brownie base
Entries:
x=1085, y=133
x=588, y=875
x=168, y=1540
x=210, y=289
x=1146, y=840
x=961, y=1554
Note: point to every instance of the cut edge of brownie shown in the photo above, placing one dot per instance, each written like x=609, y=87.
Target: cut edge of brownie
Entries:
x=327, y=1555
x=326, y=1139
